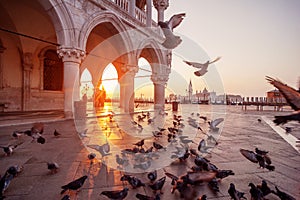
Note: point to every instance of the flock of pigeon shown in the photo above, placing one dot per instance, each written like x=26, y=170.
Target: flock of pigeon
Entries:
x=203, y=171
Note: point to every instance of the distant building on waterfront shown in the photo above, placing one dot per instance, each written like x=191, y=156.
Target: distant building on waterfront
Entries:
x=197, y=97
x=275, y=96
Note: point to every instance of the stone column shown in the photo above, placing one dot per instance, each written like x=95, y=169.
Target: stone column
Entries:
x=132, y=8
x=149, y=13
x=2, y=49
x=127, y=88
x=27, y=63
x=72, y=59
x=160, y=6
x=159, y=81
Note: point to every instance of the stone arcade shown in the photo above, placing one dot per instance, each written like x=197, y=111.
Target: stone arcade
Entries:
x=45, y=45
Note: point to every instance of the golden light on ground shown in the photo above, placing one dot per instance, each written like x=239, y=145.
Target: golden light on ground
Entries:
x=110, y=81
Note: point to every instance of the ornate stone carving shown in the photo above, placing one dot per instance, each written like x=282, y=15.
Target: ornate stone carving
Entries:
x=71, y=54
x=161, y=4
x=130, y=68
x=161, y=79
x=27, y=61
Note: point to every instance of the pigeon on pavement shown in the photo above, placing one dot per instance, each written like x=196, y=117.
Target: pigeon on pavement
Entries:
x=74, y=185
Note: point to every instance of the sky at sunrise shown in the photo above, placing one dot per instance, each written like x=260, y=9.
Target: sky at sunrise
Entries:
x=254, y=38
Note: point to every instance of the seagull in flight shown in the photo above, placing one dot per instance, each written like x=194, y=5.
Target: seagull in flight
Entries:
x=171, y=40
x=292, y=96
x=202, y=66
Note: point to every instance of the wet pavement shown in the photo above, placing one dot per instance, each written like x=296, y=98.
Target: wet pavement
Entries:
x=240, y=129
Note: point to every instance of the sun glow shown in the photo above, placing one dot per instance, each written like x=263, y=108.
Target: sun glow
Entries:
x=110, y=81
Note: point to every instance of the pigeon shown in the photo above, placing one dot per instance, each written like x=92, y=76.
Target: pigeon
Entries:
x=37, y=128
x=8, y=150
x=223, y=173
x=235, y=194
x=158, y=146
x=256, y=193
x=213, y=185
x=53, y=167
x=117, y=194
x=158, y=184
x=259, y=120
x=203, y=148
x=4, y=183
x=171, y=41
x=288, y=129
x=202, y=66
x=17, y=134
x=145, y=197
x=172, y=177
x=264, y=161
x=140, y=143
x=74, y=185
x=102, y=149
x=213, y=124
x=261, y=152
x=91, y=157
x=10, y=173
x=35, y=133
x=292, y=96
x=265, y=188
x=56, y=133
x=133, y=181
x=282, y=195
x=157, y=134
x=152, y=175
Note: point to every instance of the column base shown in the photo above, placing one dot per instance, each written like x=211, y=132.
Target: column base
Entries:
x=159, y=106
x=69, y=115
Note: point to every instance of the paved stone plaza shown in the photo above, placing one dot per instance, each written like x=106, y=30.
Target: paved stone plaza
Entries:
x=240, y=130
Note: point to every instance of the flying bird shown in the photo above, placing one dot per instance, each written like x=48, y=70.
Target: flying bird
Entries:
x=102, y=149
x=74, y=185
x=203, y=148
x=214, y=123
x=171, y=41
x=264, y=161
x=292, y=97
x=202, y=66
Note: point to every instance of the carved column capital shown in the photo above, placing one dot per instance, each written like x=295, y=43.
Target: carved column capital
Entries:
x=161, y=4
x=130, y=69
x=160, y=79
x=27, y=61
x=69, y=54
